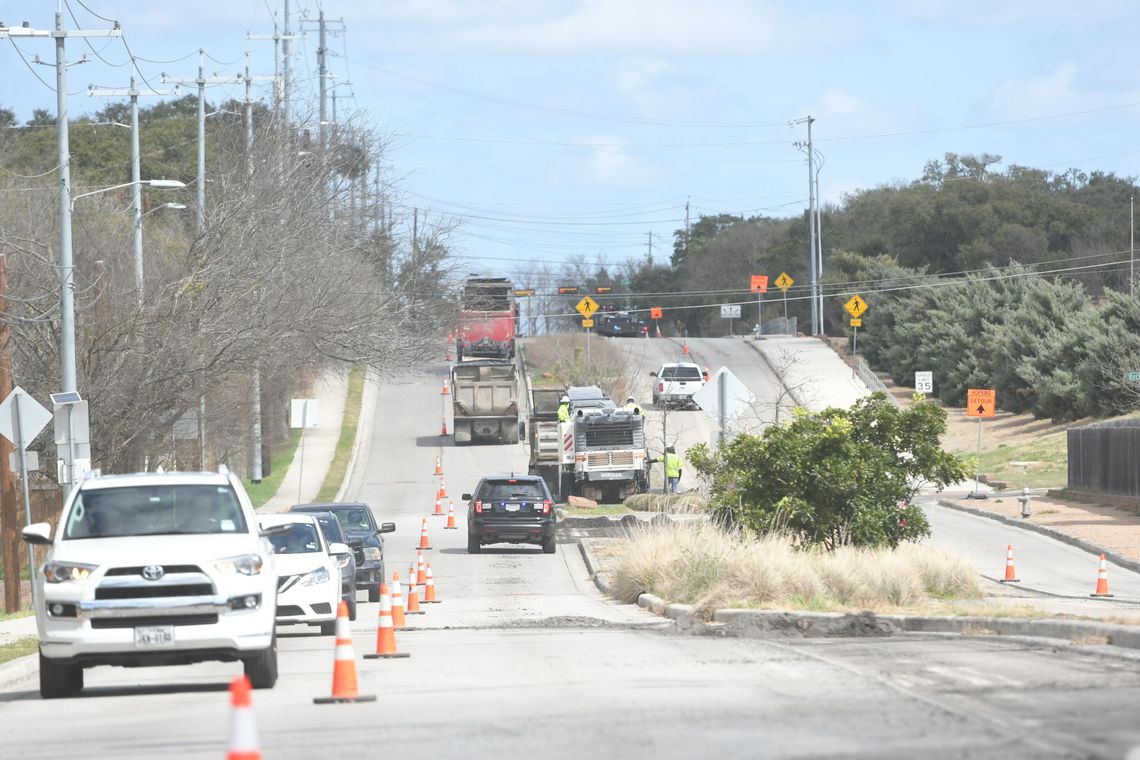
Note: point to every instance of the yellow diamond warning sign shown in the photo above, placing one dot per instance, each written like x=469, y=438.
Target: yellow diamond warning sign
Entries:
x=783, y=282
x=587, y=306
x=856, y=306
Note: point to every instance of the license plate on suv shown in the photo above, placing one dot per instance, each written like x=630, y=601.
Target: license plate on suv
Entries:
x=154, y=636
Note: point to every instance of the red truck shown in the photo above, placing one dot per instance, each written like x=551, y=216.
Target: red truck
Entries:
x=488, y=319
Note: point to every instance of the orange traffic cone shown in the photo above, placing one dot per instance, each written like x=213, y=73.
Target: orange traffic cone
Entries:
x=444, y=431
x=429, y=589
x=344, y=687
x=685, y=349
x=424, y=543
x=1010, y=573
x=1102, y=579
x=399, y=622
x=442, y=488
x=451, y=517
x=438, y=465
x=445, y=391
x=421, y=569
x=438, y=508
x=413, y=597
x=385, y=633
x=243, y=730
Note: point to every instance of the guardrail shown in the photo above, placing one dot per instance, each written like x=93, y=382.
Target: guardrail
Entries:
x=871, y=380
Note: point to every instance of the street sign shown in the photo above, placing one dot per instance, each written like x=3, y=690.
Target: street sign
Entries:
x=737, y=397
x=304, y=413
x=586, y=307
x=587, y=322
x=856, y=323
x=730, y=310
x=856, y=306
x=924, y=382
x=33, y=417
x=1134, y=377
x=759, y=283
x=783, y=282
x=655, y=312
x=71, y=423
x=31, y=461
x=980, y=402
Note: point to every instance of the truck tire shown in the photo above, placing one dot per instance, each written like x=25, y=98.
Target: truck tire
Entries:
x=58, y=680
x=566, y=487
x=462, y=432
x=511, y=434
x=261, y=669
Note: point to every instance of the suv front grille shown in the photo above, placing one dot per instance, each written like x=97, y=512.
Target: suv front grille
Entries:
x=152, y=591
x=138, y=570
x=132, y=622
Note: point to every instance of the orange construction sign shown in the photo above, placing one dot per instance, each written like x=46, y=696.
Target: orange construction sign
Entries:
x=655, y=312
x=759, y=283
x=980, y=402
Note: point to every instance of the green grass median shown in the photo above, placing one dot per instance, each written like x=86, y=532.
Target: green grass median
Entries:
x=334, y=478
x=259, y=493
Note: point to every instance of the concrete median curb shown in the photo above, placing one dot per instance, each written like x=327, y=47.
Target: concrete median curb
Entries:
x=18, y=669
x=1064, y=538
x=788, y=624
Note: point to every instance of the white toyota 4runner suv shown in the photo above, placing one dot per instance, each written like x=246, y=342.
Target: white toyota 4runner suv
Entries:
x=676, y=383
x=154, y=569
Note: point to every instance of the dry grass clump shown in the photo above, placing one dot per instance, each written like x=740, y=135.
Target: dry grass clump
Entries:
x=701, y=564
x=683, y=503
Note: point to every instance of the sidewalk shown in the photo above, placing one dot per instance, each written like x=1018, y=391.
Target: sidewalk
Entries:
x=307, y=472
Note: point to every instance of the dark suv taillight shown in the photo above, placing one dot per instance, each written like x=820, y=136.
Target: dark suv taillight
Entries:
x=546, y=504
x=479, y=506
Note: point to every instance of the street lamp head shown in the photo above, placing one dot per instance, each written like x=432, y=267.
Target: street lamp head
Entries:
x=164, y=184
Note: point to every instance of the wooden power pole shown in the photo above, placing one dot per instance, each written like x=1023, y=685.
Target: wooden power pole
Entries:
x=9, y=499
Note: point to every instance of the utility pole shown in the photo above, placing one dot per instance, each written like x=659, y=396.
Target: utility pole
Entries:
x=415, y=231
x=1132, y=245
x=322, y=78
x=286, y=52
x=9, y=504
x=136, y=176
x=812, y=257
x=649, y=237
x=66, y=265
x=201, y=81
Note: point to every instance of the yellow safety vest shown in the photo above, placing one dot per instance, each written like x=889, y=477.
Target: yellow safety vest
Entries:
x=672, y=466
x=564, y=413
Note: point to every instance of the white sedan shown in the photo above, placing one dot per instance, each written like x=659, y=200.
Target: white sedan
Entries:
x=308, y=578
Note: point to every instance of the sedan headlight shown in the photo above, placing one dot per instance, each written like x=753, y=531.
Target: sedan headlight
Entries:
x=320, y=575
x=372, y=553
x=243, y=564
x=59, y=572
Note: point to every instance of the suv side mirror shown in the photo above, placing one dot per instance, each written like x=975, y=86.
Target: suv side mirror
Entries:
x=387, y=528
x=37, y=533
x=653, y=374
x=466, y=497
x=339, y=548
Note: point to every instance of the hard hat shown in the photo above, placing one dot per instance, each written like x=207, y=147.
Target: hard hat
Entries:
x=565, y=399
x=630, y=400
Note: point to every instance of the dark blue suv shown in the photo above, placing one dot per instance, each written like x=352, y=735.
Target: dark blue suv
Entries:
x=516, y=509
x=363, y=535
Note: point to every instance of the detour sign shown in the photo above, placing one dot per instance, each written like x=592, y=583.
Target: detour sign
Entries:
x=980, y=402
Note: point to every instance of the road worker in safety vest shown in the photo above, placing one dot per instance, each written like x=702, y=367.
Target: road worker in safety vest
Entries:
x=563, y=409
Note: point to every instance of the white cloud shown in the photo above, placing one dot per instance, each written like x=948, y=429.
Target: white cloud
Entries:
x=1010, y=12
x=1052, y=93
x=611, y=168
x=605, y=27
x=838, y=112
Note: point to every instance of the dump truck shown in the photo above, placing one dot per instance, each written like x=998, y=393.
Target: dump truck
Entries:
x=485, y=402
x=600, y=453
x=488, y=319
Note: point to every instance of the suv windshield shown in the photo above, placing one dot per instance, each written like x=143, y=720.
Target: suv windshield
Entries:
x=680, y=373
x=504, y=490
x=301, y=539
x=155, y=510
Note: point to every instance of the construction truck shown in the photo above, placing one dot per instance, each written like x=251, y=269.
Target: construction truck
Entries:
x=599, y=453
x=488, y=319
x=485, y=402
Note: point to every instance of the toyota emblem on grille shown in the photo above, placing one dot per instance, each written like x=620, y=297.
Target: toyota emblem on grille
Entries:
x=153, y=572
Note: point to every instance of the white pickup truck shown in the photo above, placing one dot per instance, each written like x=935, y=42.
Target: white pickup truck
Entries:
x=154, y=569
x=676, y=383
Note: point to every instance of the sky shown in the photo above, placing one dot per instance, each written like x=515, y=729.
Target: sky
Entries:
x=548, y=130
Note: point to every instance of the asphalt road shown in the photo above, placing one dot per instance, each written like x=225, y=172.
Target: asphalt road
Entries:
x=525, y=658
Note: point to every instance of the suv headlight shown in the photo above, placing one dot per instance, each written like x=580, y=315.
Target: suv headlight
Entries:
x=320, y=575
x=243, y=564
x=372, y=553
x=342, y=560
x=59, y=572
